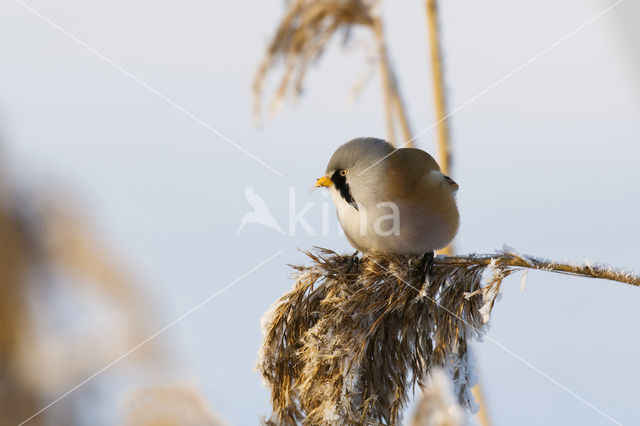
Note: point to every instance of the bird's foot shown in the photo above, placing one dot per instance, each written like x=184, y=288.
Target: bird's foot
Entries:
x=426, y=265
x=354, y=260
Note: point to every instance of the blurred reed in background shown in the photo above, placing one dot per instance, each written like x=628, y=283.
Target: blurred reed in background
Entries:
x=67, y=308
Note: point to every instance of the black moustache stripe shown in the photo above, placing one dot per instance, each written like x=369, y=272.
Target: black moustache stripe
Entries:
x=341, y=184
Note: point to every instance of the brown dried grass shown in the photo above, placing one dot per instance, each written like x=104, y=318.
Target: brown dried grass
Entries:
x=303, y=33
x=352, y=338
x=302, y=36
x=37, y=239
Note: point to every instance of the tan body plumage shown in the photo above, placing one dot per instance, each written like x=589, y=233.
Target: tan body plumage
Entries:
x=396, y=201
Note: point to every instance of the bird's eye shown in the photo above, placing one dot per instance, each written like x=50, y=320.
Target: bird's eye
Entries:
x=343, y=172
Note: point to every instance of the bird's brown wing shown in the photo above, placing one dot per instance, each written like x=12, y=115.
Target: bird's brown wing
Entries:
x=406, y=168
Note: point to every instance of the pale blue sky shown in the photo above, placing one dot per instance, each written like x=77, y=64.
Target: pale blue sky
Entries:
x=546, y=162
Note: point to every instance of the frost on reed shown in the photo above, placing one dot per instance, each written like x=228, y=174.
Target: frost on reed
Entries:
x=352, y=338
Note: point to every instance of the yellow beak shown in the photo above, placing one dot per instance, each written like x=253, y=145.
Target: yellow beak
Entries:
x=324, y=181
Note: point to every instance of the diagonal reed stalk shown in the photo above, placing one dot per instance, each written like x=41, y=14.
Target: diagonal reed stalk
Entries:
x=385, y=77
x=394, y=106
x=439, y=98
x=439, y=95
x=403, y=120
x=354, y=336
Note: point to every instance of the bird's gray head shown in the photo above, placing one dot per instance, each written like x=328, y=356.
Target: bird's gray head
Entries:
x=350, y=170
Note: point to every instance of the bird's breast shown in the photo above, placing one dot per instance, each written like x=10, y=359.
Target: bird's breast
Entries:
x=400, y=226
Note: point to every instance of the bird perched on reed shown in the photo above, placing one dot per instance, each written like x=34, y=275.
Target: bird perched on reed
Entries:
x=394, y=201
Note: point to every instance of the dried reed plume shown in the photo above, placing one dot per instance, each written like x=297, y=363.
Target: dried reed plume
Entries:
x=17, y=399
x=301, y=38
x=170, y=405
x=47, y=255
x=437, y=405
x=352, y=338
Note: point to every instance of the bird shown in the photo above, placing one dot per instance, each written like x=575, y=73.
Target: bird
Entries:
x=394, y=201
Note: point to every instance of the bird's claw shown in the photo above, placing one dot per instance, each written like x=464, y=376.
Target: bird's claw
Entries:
x=426, y=265
x=354, y=260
